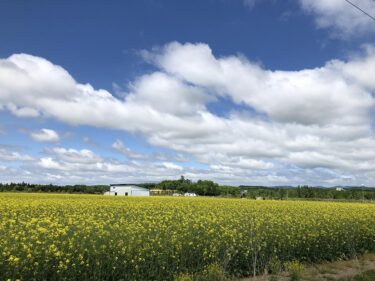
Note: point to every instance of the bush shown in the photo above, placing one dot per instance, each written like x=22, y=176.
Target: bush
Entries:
x=184, y=277
x=212, y=272
x=274, y=267
x=295, y=270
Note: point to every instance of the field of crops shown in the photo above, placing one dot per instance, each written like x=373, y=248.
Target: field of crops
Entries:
x=80, y=237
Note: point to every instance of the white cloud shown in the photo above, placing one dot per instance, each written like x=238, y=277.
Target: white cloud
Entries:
x=249, y=3
x=311, y=96
x=22, y=111
x=172, y=166
x=45, y=135
x=49, y=163
x=293, y=125
x=7, y=155
x=120, y=147
x=167, y=94
x=66, y=165
x=344, y=19
x=76, y=156
x=340, y=17
x=83, y=162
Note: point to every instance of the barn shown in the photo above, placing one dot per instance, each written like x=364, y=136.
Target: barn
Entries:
x=127, y=190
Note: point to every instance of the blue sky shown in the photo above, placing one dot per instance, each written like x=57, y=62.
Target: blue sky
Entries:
x=241, y=92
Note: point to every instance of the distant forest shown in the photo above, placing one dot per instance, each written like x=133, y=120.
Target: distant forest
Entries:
x=210, y=188
x=29, y=187
x=311, y=193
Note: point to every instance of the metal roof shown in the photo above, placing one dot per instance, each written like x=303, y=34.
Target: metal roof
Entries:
x=124, y=184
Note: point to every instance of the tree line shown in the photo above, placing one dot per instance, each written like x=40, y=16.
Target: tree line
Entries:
x=29, y=187
x=309, y=192
x=201, y=187
x=211, y=188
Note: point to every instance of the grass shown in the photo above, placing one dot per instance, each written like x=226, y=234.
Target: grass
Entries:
x=359, y=269
x=365, y=276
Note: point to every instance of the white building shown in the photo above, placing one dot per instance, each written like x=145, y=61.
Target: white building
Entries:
x=127, y=190
x=190, y=194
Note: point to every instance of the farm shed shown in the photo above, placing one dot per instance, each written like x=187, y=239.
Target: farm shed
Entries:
x=127, y=190
x=190, y=194
x=160, y=192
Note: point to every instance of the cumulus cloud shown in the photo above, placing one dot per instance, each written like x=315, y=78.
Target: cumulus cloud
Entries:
x=80, y=161
x=292, y=126
x=119, y=146
x=8, y=155
x=344, y=19
x=67, y=165
x=131, y=154
x=22, y=111
x=45, y=135
x=311, y=96
x=75, y=156
x=172, y=166
x=338, y=16
x=167, y=94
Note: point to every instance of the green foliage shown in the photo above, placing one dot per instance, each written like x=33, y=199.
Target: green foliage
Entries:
x=184, y=277
x=295, y=270
x=210, y=188
x=201, y=187
x=274, y=265
x=308, y=193
x=212, y=272
x=28, y=187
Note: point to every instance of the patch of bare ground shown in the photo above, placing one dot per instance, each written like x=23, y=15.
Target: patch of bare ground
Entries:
x=346, y=270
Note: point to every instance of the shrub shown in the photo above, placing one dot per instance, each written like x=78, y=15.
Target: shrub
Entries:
x=295, y=270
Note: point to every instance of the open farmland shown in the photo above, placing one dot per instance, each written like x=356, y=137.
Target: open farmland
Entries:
x=87, y=237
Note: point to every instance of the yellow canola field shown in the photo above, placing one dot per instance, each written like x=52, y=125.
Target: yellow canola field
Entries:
x=86, y=237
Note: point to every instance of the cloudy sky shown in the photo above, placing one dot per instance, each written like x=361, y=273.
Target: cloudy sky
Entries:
x=238, y=91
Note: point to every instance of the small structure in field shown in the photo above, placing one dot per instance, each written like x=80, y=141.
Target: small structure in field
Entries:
x=161, y=192
x=190, y=194
x=127, y=190
x=340, y=189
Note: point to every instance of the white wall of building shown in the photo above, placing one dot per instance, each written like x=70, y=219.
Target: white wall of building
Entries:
x=128, y=190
